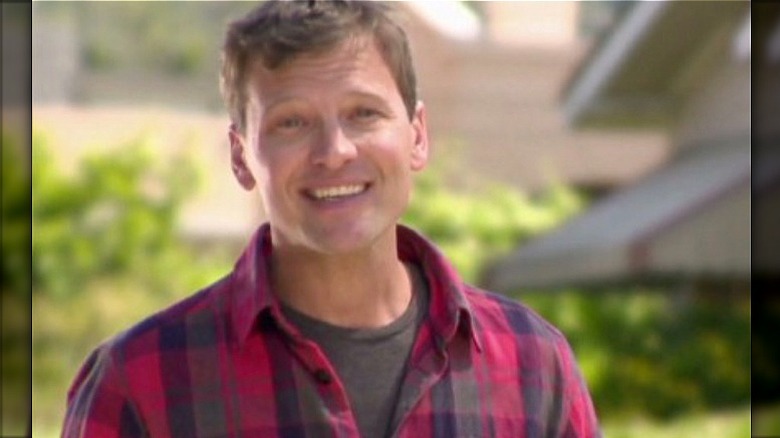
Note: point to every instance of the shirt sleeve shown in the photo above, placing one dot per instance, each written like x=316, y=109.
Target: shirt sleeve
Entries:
x=578, y=416
x=98, y=401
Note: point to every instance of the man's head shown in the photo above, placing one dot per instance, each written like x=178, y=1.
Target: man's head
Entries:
x=325, y=122
x=279, y=31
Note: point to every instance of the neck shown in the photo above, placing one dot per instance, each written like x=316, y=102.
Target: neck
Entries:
x=368, y=289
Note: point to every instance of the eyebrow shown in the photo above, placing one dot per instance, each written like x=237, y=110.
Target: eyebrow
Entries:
x=376, y=98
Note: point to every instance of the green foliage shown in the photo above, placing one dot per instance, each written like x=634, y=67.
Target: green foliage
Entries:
x=14, y=317
x=16, y=217
x=99, y=56
x=121, y=36
x=648, y=352
x=473, y=227
x=105, y=248
x=765, y=420
x=718, y=424
x=116, y=216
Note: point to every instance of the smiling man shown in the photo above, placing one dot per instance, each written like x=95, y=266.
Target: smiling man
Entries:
x=337, y=320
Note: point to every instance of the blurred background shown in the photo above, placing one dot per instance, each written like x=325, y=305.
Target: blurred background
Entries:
x=592, y=159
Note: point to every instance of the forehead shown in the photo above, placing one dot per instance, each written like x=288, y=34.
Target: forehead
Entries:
x=354, y=64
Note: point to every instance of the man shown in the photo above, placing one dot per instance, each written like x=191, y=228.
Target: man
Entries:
x=336, y=321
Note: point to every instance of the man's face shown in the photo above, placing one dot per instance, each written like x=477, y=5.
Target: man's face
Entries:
x=331, y=148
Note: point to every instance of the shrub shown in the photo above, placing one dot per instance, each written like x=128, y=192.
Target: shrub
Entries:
x=117, y=216
x=645, y=352
x=473, y=227
x=16, y=218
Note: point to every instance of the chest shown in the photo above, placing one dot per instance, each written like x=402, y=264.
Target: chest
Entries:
x=274, y=388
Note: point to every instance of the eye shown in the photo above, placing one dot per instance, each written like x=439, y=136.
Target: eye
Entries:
x=290, y=123
x=365, y=113
x=287, y=125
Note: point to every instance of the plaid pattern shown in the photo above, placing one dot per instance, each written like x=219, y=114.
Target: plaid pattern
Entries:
x=225, y=362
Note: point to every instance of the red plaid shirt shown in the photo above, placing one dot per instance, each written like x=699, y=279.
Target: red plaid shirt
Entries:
x=226, y=363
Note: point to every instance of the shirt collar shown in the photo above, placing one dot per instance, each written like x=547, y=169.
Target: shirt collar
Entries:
x=251, y=288
x=449, y=311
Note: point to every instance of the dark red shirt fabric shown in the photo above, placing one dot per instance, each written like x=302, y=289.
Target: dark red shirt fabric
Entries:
x=226, y=363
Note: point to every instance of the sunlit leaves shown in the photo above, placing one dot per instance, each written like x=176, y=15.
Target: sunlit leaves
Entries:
x=473, y=227
x=643, y=352
x=116, y=215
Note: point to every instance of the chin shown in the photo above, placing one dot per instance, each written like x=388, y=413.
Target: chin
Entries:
x=342, y=240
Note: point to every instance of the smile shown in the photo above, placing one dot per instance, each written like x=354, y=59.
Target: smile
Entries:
x=337, y=192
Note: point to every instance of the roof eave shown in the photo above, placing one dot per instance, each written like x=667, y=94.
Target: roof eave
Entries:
x=586, y=90
x=656, y=55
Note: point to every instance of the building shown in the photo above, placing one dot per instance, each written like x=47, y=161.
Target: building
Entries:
x=493, y=92
x=682, y=68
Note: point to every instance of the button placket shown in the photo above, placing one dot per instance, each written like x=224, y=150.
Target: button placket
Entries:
x=316, y=363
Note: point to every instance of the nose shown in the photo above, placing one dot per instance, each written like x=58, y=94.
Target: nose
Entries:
x=333, y=148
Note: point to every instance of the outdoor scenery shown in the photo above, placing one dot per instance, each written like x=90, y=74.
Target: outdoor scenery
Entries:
x=126, y=221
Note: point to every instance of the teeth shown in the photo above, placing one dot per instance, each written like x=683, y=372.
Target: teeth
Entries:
x=335, y=192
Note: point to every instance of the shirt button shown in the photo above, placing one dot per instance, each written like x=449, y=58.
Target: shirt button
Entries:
x=323, y=376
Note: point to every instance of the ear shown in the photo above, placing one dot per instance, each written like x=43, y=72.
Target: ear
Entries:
x=237, y=159
x=420, y=147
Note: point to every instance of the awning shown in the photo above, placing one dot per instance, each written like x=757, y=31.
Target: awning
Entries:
x=655, y=55
x=692, y=216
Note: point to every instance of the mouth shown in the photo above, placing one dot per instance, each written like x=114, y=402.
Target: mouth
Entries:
x=335, y=193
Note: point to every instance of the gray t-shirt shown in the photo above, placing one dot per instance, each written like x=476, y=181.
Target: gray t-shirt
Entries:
x=370, y=362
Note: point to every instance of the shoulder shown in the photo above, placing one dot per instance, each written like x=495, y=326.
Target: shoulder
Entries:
x=515, y=336
x=128, y=368
x=170, y=327
x=494, y=312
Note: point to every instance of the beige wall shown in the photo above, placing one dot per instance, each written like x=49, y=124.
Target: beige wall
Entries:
x=532, y=23
x=221, y=209
x=498, y=99
x=714, y=237
x=720, y=109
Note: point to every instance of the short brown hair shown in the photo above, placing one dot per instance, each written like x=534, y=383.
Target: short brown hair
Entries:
x=277, y=31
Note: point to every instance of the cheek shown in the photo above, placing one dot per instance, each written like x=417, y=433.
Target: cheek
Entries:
x=272, y=174
x=277, y=169
x=395, y=150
